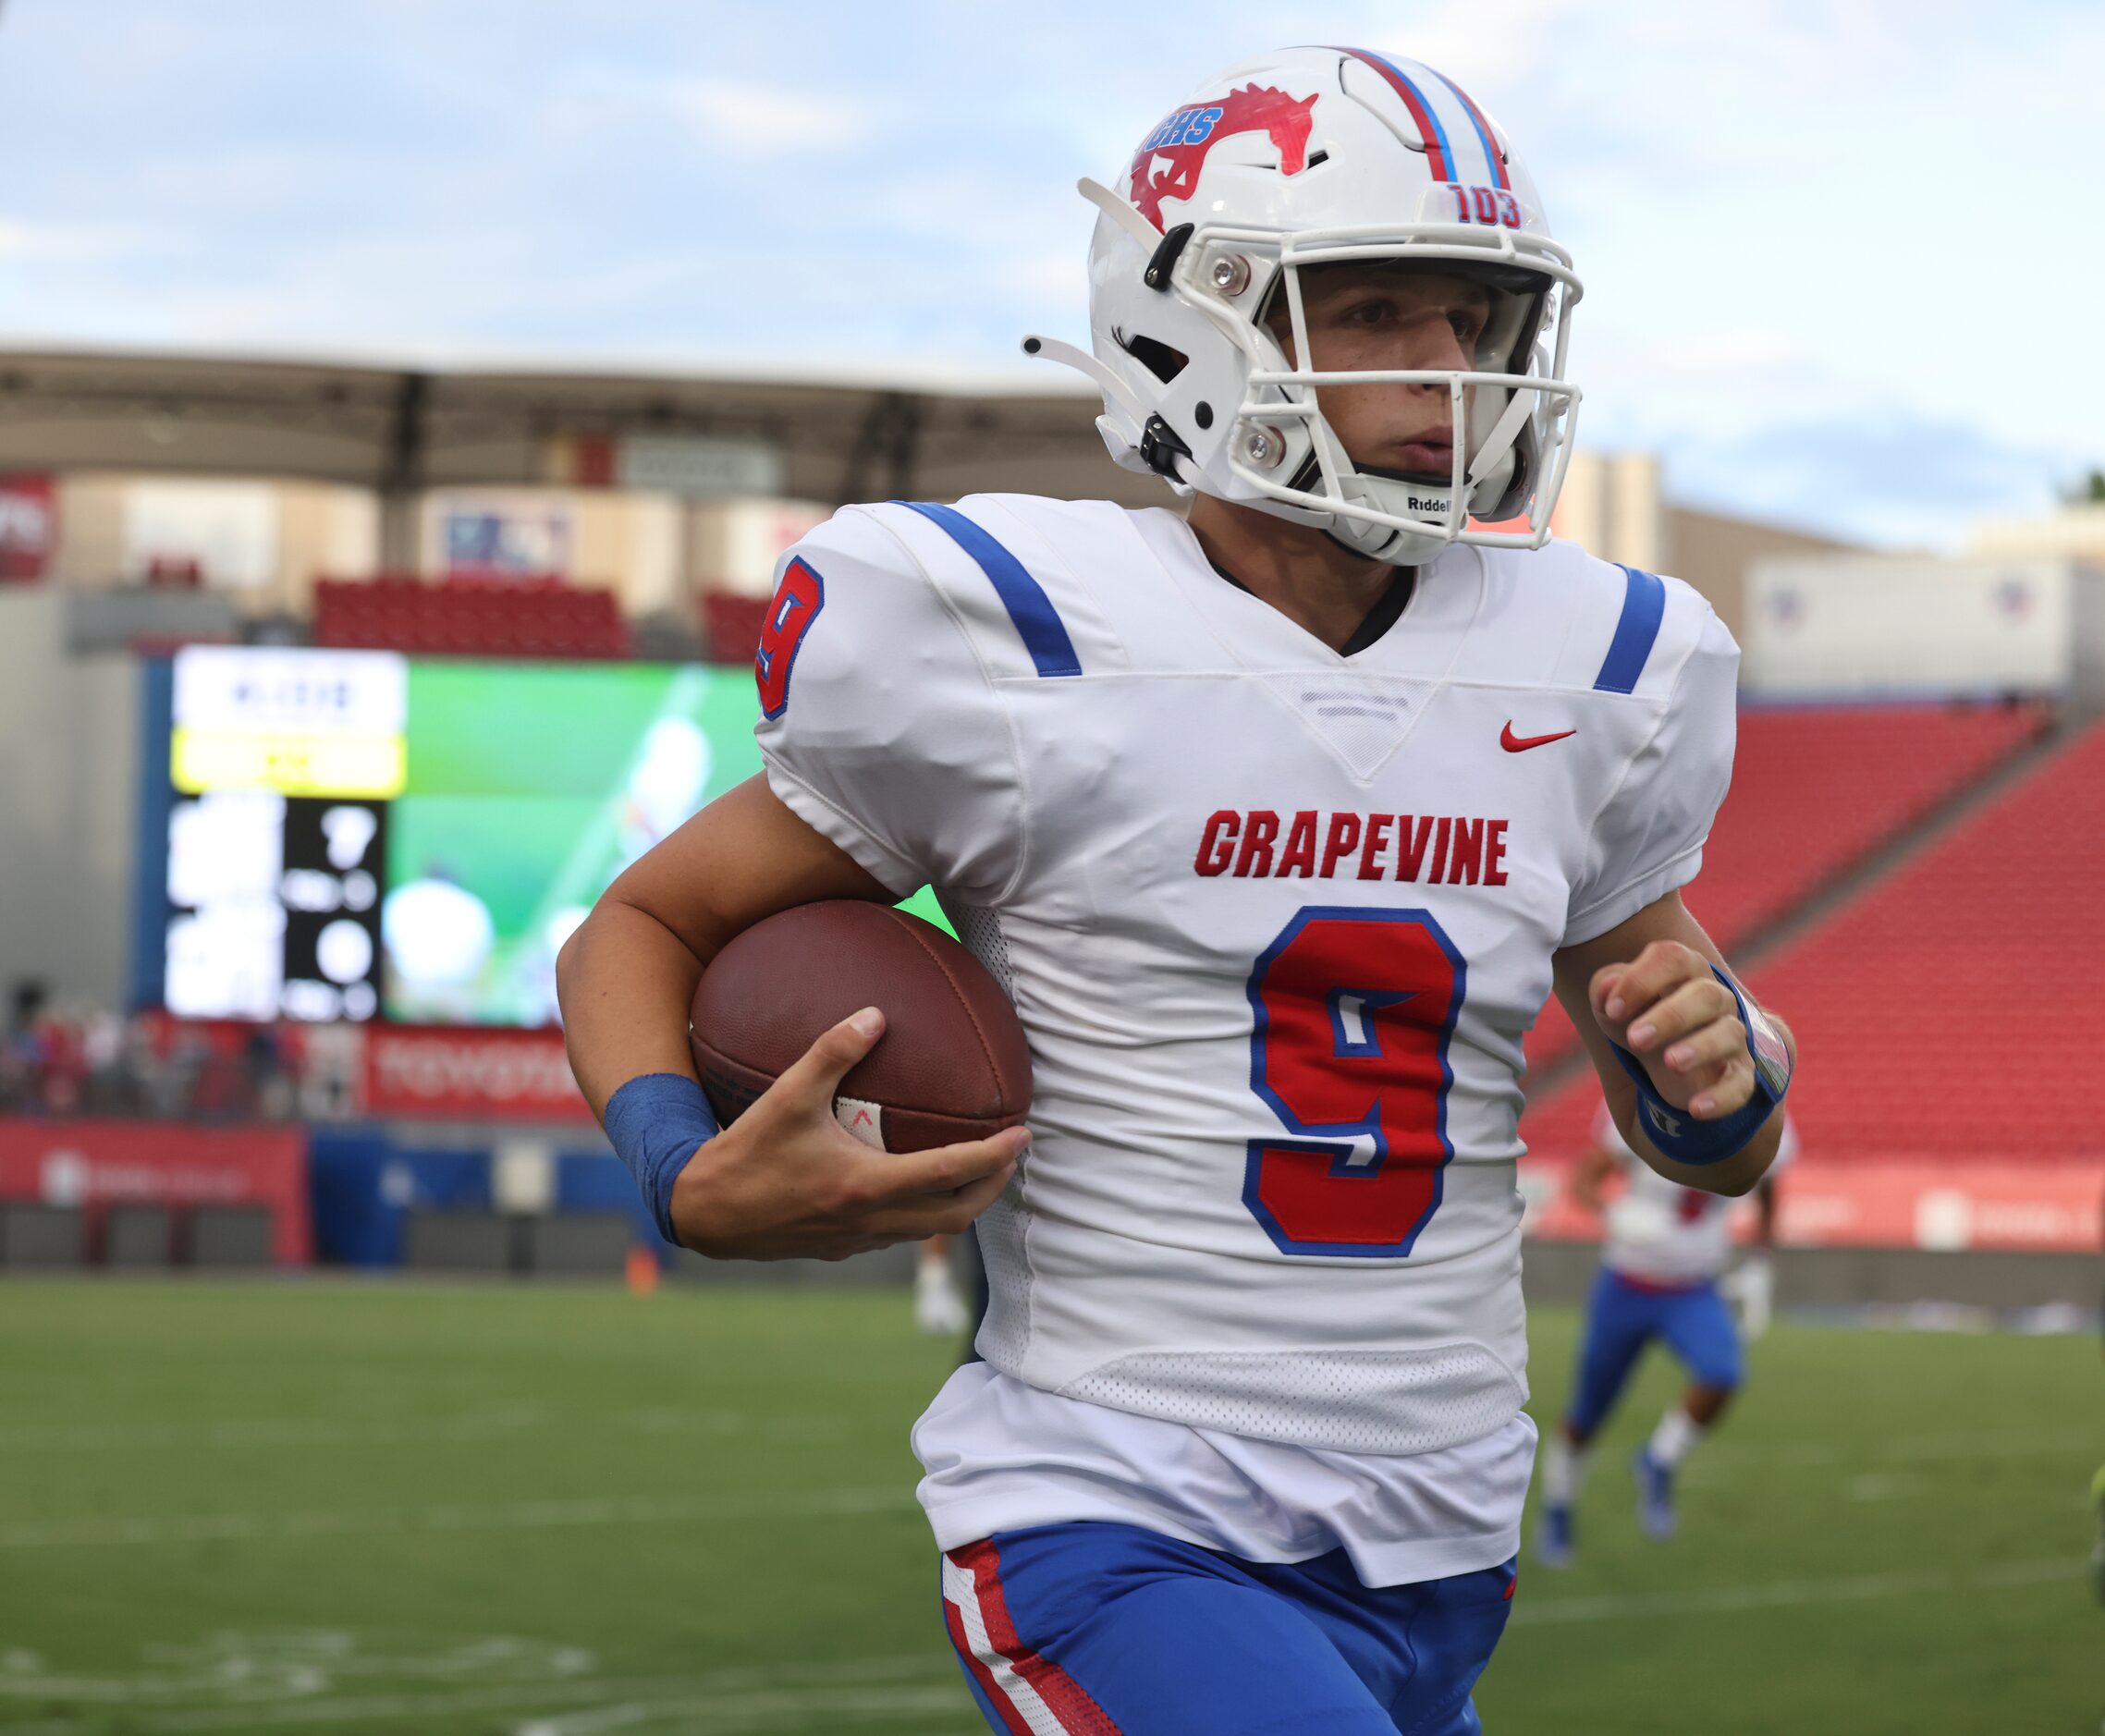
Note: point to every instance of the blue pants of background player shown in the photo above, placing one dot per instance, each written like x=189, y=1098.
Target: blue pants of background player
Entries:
x=1107, y=1630
x=1623, y=1317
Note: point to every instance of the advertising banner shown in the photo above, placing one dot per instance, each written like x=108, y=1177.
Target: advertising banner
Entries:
x=514, y=539
x=698, y=466
x=492, y=1075
x=28, y=528
x=2037, y=1208
x=95, y=1165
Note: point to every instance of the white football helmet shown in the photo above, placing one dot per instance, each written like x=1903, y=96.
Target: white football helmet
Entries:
x=1303, y=158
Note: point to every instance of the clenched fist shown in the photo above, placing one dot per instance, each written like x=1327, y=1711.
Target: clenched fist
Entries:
x=1668, y=1009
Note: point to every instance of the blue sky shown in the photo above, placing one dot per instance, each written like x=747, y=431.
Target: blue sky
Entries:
x=1838, y=257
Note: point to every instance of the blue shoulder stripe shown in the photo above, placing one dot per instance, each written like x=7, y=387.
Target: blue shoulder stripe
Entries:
x=1643, y=603
x=1038, y=623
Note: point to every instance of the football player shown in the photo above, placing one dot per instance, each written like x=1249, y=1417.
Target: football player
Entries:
x=2098, y=1542
x=1279, y=823
x=1667, y=1272
x=938, y=1304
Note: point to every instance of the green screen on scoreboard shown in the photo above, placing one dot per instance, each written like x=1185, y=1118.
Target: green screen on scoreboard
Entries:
x=529, y=788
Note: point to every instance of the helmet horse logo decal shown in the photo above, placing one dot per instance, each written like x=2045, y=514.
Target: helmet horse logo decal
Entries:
x=1184, y=139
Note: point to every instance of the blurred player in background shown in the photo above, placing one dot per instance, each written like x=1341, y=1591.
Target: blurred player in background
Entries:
x=1667, y=1273
x=2097, y=1516
x=938, y=1304
x=2097, y=1543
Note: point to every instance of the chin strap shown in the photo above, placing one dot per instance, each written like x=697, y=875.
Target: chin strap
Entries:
x=1504, y=431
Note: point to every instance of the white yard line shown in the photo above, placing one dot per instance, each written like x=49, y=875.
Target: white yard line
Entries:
x=263, y=1431
x=834, y=1705
x=1784, y=1594
x=643, y=1509
x=295, y=1664
x=729, y=1690
x=1927, y=1449
x=528, y=1515
x=272, y=1431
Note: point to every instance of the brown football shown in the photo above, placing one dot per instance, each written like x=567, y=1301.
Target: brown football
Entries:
x=952, y=1064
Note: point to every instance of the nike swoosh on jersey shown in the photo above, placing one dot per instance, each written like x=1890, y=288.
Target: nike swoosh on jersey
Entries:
x=1520, y=744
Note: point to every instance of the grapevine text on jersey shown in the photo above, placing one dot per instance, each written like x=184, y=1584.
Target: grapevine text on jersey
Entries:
x=1434, y=849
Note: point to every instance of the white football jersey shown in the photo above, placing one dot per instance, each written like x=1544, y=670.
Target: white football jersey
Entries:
x=1275, y=919
x=1660, y=1232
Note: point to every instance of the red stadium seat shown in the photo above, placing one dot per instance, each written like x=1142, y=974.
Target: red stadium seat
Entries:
x=1950, y=1011
x=732, y=626
x=1815, y=792
x=471, y=616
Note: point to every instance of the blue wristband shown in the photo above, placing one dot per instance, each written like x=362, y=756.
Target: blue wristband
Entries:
x=656, y=1121
x=1676, y=1133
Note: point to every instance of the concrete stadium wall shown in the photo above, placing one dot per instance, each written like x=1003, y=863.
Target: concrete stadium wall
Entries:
x=1562, y=1272
x=1869, y=625
x=69, y=737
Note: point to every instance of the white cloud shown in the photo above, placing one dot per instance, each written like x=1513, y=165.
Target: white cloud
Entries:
x=770, y=117
x=1883, y=475
x=1491, y=44
x=66, y=241
x=1857, y=215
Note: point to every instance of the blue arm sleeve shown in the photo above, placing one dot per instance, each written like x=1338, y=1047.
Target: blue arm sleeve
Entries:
x=657, y=1121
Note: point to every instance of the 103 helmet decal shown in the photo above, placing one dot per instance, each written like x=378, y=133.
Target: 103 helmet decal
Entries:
x=1301, y=159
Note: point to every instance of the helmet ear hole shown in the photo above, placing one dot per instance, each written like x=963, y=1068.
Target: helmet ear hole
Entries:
x=1157, y=358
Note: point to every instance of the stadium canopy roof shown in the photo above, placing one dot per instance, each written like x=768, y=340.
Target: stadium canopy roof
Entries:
x=402, y=428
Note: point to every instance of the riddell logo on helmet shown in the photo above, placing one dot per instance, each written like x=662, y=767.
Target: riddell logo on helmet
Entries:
x=1427, y=503
x=1182, y=141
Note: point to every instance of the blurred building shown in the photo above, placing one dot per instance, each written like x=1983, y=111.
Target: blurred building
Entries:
x=2076, y=533
x=148, y=501
x=331, y=697
x=1614, y=504
x=249, y=481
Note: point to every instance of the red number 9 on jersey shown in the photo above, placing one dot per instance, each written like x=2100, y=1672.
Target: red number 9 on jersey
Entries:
x=1355, y=1010
x=797, y=600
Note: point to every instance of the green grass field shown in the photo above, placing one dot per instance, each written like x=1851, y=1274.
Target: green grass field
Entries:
x=552, y=1511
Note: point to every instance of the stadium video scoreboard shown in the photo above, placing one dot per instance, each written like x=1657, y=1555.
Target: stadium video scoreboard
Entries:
x=284, y=764
x=353, y=835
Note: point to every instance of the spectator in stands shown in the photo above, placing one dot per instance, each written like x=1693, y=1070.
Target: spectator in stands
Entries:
x=107, y=1088
x=268, y=1083
x=65, y=1066
x=156, y=1089
x=146, y=1063
x=22, y=1050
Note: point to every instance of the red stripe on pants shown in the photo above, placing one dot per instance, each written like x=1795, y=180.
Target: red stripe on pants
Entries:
x=982, y=1674
x=1078, y=1713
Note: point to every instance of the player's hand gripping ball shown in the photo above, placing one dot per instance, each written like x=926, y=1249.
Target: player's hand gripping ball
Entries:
x=953, y=1063
x=870, y=1077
